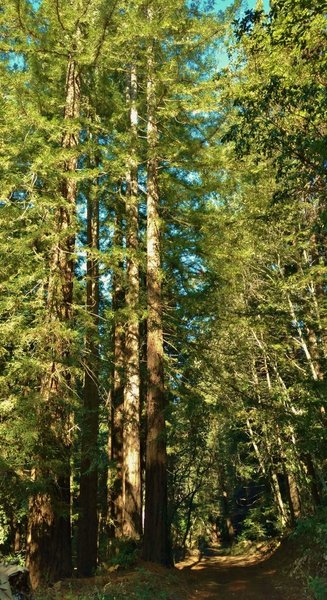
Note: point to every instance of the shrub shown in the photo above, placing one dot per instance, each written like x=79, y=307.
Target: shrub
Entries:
x=318, y=588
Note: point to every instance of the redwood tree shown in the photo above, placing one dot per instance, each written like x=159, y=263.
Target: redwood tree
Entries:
x=156, y=546
x=49, y=530
x=88, y=506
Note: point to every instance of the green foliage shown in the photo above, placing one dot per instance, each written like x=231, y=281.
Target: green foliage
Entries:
x=17, y=558
x=122, y=553
x=314, y=528
x=4, y=527
x=242, y=181
x=139, y=585
x=257, y=360
x=147, y=587
x=254, y=526
x=318, y=588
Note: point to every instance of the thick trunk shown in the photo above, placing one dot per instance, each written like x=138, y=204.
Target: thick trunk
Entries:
x=88, y=519
x=49, y=536
x=156, y=537
x=49, y=529
x=132, y=466
x=117, y=394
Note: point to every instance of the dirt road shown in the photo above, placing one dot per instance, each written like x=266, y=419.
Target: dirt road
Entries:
x=264, y=576
x=244, y=578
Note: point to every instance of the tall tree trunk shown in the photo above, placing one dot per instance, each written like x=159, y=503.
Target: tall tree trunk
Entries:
x=314, y=366
x=314, y=484
x=294, y=495
x=273, y=478
x=88, y=519
x=143, y=399
x=188, y=519
x=117, y=394
x=277, y=494
x=274, y=482
x=290, y=483
x=132, y=466
x=156, y=546
x=227, y=531
x=49, y=528
x=256, y=447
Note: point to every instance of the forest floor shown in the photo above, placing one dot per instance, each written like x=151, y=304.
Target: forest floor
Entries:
x=263, y=575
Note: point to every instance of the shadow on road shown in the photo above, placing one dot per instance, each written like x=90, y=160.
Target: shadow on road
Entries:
x=250, y=577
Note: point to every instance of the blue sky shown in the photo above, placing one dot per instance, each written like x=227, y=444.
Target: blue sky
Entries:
x=222, y=59
x=222, y=4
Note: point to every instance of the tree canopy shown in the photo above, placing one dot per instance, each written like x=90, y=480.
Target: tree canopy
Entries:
x=163, y=277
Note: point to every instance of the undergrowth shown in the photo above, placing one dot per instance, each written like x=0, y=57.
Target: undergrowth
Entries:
x=311, y=564
x=141, y=584
x=122, y=553
x=318, y=588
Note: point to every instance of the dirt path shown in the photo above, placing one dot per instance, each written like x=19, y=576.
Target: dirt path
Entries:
x=245, y=578
x=264, y=576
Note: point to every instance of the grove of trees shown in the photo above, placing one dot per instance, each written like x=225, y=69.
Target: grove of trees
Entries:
x=162, y=276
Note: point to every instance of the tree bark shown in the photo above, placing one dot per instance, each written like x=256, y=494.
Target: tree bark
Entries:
x=49, y=528
x=273, y=477
x=294, y=495
x=117, y=395
x=132, y=525
x=302, y=341
x=156, y=547
x=278, y=496
x=88, y=518
x=256, y=447
x=290, y=483
x=314, y=484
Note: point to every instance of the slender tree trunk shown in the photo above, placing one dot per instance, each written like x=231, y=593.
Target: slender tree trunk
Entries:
x=317, y=294
x=17, y=541
x=256, y=447
x=289, y=477
x=294, y=495
x=314, y=484
x=132, y=466
x=290, y=483
x=88, y=518
x=117, y=395
x=274, y=483
x=49, y=528
x=296, y=473
x=103, y=497
x=188, y=520
x=229, y=532
x=143, y=401
x=314, y=367
x=156, y=546
x=278, y=496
